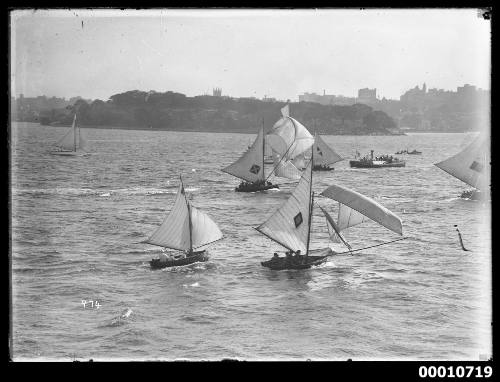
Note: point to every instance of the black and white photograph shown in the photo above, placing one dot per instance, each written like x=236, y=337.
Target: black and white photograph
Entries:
x=209, y=184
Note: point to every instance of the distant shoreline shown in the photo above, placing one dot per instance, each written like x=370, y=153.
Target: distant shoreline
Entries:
x=139, y=128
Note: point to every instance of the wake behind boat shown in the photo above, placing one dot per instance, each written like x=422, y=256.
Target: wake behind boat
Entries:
x=72, y=143
x=185, y=229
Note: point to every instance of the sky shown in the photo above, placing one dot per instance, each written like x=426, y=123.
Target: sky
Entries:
x=247, y=53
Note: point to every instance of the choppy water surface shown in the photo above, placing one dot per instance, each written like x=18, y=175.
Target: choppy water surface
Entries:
x=77, y=224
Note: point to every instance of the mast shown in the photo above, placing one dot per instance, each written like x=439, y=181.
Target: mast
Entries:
x=189, y=217
x=263, y=150
x=190, y=229
x=311, y=202
x=74, y=133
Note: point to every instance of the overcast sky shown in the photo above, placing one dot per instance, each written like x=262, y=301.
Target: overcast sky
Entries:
x=278, y=53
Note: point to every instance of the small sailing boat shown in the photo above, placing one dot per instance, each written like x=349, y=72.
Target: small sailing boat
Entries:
x=250, y=167
x=324, y=155
x=185, y=229
x=290, y=225
x=72, y=143
x=472, y=166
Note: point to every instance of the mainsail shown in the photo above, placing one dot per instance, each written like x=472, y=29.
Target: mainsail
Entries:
x=289, y=137
x=354, y=208
x=324, y=154
x=185, y=227
x=299, y=161
x=334, y=229
x=289, y=225
x=73, y=139
x=68, y=141
x=250, y=166
x=285, y=168
x=471, y=165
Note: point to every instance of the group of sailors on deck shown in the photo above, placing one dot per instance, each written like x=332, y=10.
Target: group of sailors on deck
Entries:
x=290, y=258
x=253, y=184
x=166, y=257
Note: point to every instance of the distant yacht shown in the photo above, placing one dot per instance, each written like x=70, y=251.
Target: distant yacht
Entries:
x=72, y=143
x=324, y=155
x=472, y=166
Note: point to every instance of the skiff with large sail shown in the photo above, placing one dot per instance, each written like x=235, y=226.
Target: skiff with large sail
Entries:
x=72, y=143
x=250, y=167
x=289, y=140
x=472, y=166
x=290, y=225
x=185, y=229
x=324, y=155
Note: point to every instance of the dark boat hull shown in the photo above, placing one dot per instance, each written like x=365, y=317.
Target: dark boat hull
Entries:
x=365, y=164
x=312, y=260
x=474, y=195
x=194, y=258
x=321, y=168
x=255, y=187
x=68, y=153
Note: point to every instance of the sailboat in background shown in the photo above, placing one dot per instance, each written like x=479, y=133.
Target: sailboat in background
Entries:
x=72, y=143
x=324, y=155
x=289, y=140
x=185, y=229
x=250, y=167
x=472, y=166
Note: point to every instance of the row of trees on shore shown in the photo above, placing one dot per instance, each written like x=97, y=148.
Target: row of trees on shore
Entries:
x=175, y=111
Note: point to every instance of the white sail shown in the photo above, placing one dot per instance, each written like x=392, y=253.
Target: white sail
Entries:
x=334, y=230
x=289, y=225
x=68, y=141
x=204, y=229
x=285, y=169
x=324, y=154
x=349, y=217
x=365, y=206
x=250, y=166
x=299, y=161
x=285, y=111
x=471, y=165
x=174, y=231
x=295, y=138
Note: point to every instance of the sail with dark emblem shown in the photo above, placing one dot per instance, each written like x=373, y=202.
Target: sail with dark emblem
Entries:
x=250, y=166
x=471, y=165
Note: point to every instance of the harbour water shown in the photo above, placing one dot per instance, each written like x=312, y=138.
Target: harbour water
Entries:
x=78, y=223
